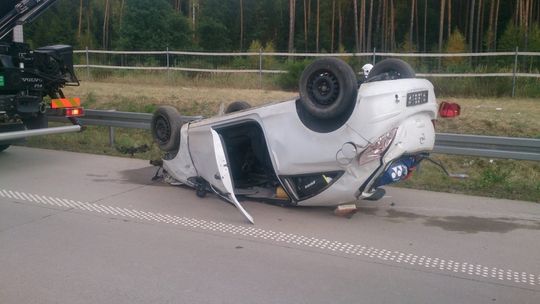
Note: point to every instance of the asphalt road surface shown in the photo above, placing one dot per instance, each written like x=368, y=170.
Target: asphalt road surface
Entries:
x=80, y=228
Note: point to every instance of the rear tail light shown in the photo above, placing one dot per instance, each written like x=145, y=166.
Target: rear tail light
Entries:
x=449, y=109
x=73, y=112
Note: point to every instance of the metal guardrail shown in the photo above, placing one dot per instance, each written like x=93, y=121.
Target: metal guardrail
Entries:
x=457, y=144
x=111, y=118
x=488, y=146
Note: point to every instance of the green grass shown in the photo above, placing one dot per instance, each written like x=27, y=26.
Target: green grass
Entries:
x=498, y=178
x=185, y=79
x=486, y=87
x=453, y=86
x=95, y=140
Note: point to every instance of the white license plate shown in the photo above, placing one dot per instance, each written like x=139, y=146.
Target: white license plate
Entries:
x=417, y=98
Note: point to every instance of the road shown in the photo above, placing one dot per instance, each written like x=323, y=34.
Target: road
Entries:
x=80, y=228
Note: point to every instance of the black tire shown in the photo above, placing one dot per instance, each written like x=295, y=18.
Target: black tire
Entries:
x=3, y=147
x=328, y=88
x=166, y=124
x=200, y=192
x=390, y=69
x=237, y=106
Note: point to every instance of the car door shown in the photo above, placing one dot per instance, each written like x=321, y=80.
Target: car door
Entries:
x=223, y=176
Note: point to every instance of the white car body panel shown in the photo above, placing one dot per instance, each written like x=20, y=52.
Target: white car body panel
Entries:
x=181, y=167
x=295, y=149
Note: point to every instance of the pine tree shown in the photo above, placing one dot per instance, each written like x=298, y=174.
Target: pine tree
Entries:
x=292, y=20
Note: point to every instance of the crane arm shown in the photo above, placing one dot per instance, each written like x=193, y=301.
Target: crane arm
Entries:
x=19, y=12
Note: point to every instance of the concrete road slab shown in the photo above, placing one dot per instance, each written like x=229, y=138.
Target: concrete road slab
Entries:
x=119, y=237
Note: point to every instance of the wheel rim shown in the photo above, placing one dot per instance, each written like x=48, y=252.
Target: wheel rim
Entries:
x=323, y=87
x=162, y=129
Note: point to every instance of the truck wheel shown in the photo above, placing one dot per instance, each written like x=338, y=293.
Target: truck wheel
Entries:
x=165, y=125
x=237, y=106
x=390, y=69
x=3, y=147
x=328, y=88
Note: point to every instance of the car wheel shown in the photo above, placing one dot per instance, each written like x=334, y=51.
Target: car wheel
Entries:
x=200, y=192
x=166, y=124
x=328, y=88
x=3, y=147
x=237, y=106
x=390, y=69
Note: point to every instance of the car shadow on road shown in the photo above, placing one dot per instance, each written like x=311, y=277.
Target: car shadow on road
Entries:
x=142, y=176
x=463, y=224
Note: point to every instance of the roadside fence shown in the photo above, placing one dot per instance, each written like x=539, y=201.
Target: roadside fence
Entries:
x=513, y=64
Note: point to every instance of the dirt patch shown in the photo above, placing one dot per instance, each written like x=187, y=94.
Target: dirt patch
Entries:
x=138, y=97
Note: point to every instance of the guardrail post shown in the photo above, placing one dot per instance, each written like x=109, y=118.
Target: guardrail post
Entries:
x=111, y=137
x=514, y=72
x=168, y=66
x=260, y=68
x=374, y=54
x=111, y=133
x=87, y=65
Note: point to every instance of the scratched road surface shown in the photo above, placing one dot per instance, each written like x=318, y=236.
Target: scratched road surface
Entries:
x=79, y=228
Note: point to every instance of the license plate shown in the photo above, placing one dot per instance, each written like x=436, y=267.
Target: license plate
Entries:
x=417, y=98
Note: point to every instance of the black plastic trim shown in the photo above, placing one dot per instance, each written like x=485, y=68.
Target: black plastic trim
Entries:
x=339, y=174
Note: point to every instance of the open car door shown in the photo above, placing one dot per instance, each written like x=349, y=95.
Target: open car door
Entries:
x=224, y=175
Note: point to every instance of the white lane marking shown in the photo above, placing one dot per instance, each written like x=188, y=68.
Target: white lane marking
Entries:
x=14, y=195
x=464, y=268
x=4, y=193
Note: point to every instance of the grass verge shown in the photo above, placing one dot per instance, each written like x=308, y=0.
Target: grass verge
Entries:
x=500, y=178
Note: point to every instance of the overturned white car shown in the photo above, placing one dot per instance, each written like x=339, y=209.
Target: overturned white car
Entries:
x=338, y=142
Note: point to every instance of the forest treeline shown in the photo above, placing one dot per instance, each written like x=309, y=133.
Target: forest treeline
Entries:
x=292, y=25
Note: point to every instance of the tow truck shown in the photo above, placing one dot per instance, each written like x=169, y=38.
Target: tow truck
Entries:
x=31, y=81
